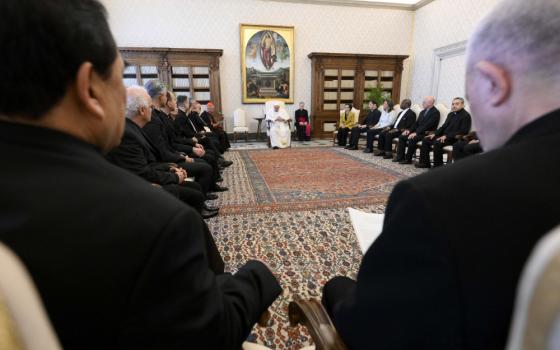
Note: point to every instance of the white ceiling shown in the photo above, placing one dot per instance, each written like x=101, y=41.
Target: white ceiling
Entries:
x=401, y=4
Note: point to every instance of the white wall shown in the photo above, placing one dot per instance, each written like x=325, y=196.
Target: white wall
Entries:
x=438, y=24
x=214, y=24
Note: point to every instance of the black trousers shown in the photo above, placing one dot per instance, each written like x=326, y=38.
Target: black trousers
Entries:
x=189, y=193
x=301, y=132
x=385, y=142
x=355, y=135
x=342, y=136
x=202, y=173
x=428, y=144
x=336, y=291
x=371, y=137
x=408, y=145
x=462, y=149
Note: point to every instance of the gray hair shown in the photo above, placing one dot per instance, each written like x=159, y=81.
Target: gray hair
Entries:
x=155, y=88
x=133, y=104
x=521, y=35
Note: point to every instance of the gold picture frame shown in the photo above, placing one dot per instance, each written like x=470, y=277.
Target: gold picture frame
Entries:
x=267, y=63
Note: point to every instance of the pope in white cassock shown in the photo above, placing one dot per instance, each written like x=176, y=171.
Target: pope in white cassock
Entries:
x=279, y=128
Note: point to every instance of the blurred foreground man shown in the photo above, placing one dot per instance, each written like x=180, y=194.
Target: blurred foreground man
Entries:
x=444, y=271
x=118, y=263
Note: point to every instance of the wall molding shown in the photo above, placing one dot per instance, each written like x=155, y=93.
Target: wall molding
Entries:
x=361, y=3
x=444, y=52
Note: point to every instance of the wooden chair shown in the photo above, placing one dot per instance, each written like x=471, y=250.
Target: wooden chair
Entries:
x=536, y=317
x=313, y=315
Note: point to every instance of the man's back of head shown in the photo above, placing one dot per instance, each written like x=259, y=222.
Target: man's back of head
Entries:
x=63, y=52
x=512, y=67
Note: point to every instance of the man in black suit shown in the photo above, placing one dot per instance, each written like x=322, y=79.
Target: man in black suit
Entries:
x=136, y=154
x=405, y=120
x=118, y=263
x=215, y=126
x=302, y=122
x=427, y=121
x=444, y=271
x=157, y=131
x=369, y=121
x=458, y=123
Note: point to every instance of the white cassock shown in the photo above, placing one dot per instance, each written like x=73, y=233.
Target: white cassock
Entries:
x=279, y=129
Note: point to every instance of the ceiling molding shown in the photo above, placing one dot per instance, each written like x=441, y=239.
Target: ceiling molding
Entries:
x=361, y=3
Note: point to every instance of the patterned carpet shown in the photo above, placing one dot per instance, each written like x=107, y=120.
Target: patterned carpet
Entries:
x=287, y=208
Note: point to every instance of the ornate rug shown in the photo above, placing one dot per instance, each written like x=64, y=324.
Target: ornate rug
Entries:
x=288, y=209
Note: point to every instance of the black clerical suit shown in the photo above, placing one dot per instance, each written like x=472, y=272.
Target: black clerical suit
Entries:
x=301, y=128
x=118, y=263
x=136, y=154
x=189, y=130
x=157, y=132
x=427, y=121
x=217, y=130
x=370, y=120
x=403, y=122
x=200, y=125
x=443, y=273
x=457, y=123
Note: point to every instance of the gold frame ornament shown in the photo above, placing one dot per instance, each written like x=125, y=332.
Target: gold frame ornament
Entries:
x=267, y=63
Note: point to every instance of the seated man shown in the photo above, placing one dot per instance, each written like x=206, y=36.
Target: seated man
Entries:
x=118, y=263
x=444, y=271
x=458, y=122
x=405, y=120
x=347, y=121
x=386, y=121
x=467, y=146
x=137, y=155
x=215, y=126
x=427, y=121
x=279, y=131
x=370, y=120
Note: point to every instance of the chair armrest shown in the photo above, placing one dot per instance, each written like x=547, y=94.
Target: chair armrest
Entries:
x=312, y=315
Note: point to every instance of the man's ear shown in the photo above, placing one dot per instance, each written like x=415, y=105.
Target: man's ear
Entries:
x=496, y=82
x=88, y=89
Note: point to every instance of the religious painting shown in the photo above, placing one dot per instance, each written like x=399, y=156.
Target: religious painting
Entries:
x=267, y=63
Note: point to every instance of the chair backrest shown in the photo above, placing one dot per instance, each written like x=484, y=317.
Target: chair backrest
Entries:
x=536, y=319
x=397, y=108
x=443, y=112
x=239, y=119
x=22, y=308
x=416, y=109
x=356, y=114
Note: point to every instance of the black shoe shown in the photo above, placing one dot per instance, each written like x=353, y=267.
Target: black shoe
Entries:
x=349, y=147
x=355, y=148
x=397, y=160
x=211, y=196
x=225, y=163
x=405, y=162
x=207, y=214
x=368, y=150
x=422, y=166
x=379, y=154
x=218, y=188
x=275, y=147
x=220, y=179
x=209, y=208
x=387, y=156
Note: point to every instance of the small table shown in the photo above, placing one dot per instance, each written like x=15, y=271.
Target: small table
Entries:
x=259, y=121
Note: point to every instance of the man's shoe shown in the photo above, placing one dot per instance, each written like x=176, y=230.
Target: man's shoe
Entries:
x=209, y=208
x=397, y=160
x=379, y=153
x=405, y=162
x=422, y=166
x=368, y=150
x=220, y=179
x=225, y=163
x=218, y=188
x=387, y=156
x=349, y=147
x=206, y=214
x=355, y=148
x=211, y=196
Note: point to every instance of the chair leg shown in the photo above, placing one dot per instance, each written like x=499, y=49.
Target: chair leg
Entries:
x=246, y=136
x=235, y=137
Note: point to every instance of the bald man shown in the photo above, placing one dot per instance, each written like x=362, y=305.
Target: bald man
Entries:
x=427, y=121
x=444, y=271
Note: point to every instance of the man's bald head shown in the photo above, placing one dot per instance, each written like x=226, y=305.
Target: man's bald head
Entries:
x=138, y=104
x=428, y=102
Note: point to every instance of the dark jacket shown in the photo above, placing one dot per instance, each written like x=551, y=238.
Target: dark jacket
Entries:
x=457, y=123
x=301, y=113
x=372, y=118
x=118, y=263
x=156, y=130
x=427, y=121
x=407, y=121
x=185, y=126
x=137, y=155
x=444, y=271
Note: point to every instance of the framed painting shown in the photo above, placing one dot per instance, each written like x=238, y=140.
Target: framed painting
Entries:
x=267, y=63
